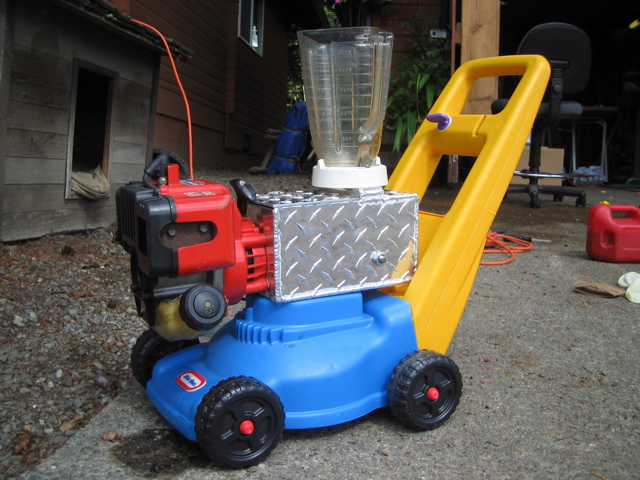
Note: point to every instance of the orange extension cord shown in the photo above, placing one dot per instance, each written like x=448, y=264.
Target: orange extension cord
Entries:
x=184, y=94
x=499, y=243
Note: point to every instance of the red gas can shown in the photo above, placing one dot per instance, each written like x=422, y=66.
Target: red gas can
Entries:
x=613, y=233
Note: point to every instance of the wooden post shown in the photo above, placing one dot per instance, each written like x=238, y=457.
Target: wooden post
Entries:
x=5, y=70
x=452, y=171
x=480, y=39
x=478, y=36
x=456, y=34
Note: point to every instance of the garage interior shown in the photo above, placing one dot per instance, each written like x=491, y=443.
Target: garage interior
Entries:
x=612, y=96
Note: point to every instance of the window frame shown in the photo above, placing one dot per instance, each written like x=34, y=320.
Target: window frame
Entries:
x=255, y=17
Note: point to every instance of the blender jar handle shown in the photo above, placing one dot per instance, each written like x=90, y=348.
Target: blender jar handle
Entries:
x=382, y=61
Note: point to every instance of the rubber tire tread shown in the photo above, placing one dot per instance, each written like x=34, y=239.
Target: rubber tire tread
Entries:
x=216, y=400
x=402, y=378
x=151, y=347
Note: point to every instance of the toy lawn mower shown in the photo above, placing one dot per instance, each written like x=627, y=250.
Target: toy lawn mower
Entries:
x=352, y=294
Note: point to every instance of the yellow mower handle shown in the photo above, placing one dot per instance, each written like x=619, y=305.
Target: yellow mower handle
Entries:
x=451, y=245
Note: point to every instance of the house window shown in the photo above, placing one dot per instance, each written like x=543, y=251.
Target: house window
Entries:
x=90, y=133
x=250, y=23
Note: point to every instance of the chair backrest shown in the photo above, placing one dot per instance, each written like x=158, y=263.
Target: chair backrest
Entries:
x=564, y=45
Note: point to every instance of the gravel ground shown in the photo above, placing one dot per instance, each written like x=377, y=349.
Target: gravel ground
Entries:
x=68, y=323
x=68, y=320
x=67, y=327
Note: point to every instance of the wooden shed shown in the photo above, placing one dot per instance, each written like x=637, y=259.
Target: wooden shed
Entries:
x=87, y=97
x=78, y=86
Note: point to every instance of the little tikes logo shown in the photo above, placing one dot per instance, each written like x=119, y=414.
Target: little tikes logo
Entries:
x=191, y=381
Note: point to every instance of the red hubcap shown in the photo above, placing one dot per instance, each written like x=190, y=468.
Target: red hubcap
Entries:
x=433, y=394
x=247, y=427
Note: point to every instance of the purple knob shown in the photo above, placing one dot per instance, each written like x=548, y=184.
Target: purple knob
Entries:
x=443, y=120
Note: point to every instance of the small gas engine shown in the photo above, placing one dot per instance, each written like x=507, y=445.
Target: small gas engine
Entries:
x=194, y=250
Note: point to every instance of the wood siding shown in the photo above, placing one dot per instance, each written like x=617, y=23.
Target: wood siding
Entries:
x=390, y=17
x=201, y=26
x=234, y=93
x=44, y=48
x=260, y=89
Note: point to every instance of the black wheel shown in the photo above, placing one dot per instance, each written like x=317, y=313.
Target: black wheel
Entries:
x=581, y=201
x=424, y=390
x=239, y=422
x=148, y=349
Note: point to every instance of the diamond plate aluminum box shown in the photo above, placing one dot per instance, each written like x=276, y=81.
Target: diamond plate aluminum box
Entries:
x=326, y=244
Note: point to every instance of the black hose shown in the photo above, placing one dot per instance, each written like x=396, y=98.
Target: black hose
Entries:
x=157, y=168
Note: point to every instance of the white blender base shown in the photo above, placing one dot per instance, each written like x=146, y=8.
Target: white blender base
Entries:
x=349, y=177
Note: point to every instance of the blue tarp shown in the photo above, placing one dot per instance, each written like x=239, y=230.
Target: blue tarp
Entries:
x=293, y=141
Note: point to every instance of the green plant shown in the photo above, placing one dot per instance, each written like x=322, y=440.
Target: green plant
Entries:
x=295, y=86
x=418, y=79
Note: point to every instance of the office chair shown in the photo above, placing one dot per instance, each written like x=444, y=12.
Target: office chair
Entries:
x=568, y=50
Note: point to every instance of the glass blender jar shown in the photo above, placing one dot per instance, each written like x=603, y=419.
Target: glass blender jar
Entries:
x=346, y=79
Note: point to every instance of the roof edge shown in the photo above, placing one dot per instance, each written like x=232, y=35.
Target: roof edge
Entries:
x=108, y=16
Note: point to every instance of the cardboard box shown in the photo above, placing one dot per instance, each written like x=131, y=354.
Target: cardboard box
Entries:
x=551, y=161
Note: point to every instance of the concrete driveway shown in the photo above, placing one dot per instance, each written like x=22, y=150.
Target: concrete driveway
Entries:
x=551, y=386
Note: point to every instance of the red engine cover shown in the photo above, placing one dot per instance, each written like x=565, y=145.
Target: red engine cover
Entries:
x=234, y=244
x=201, y=203
x=249, y=273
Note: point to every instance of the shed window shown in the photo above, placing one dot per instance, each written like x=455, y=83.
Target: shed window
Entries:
x=250, y=23
x=90, y=134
